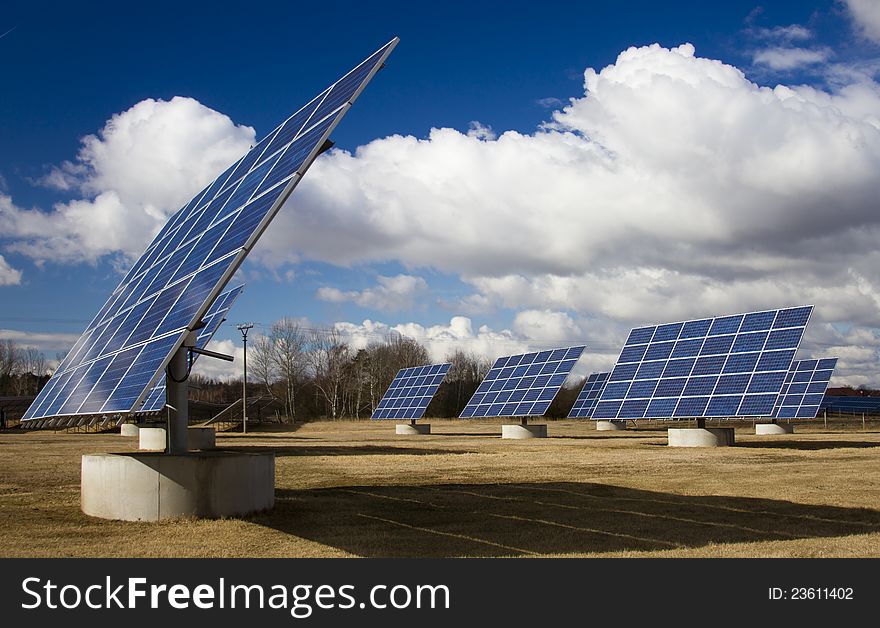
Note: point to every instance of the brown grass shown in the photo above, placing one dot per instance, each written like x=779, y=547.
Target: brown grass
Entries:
x=356, y=489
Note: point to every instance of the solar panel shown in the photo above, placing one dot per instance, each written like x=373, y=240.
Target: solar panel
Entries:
x=522, y=385
x=804, y=389
x=586, y=402
x=713, y=367
x=155, y=399
x=127, y=345
x=411, y=391
x=853, y=404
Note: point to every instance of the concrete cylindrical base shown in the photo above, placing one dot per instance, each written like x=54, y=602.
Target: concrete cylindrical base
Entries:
x=150, y=486
x=523, y=431
x=151, y=439
x=130, y=429
x=413, y=429
x=773, y=429
x=701, y=437
x=202, y=438
x=605, y=426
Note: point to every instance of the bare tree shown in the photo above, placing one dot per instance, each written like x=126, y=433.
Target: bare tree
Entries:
x=328, y=357
x=387, y=357
x=10, y=357
x=361, y=378
x=30, y=368
x=291, y=361
x=462, y=380
x=262, y=362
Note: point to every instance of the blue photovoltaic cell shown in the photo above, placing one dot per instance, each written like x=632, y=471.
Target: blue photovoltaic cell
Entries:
x=716, y=367
x=155, y=399
x=589, y=395
x=522, y=385
x=804, y=389
x=122, y=351
x=411, y=391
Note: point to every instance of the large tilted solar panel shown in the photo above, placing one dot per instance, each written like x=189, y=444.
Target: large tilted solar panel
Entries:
x=411, y=391
x=522, y=385
x=714, y=367
x=804, y=389
x=589, y=396
x=131, y=339
x=155, y=399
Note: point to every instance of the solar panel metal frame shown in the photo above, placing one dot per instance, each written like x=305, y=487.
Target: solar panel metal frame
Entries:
x=523, y=365
x=589, y=396
x=393, y=404
x=801, y=398
x=154, y=400
x=657, y=406
x=236, y=256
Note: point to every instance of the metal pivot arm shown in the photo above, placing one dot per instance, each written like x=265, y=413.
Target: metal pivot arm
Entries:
x=327, y=145
x=213, y=354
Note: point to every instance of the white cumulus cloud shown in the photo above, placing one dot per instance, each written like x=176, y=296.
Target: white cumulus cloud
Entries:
x=866, y=15
x=673, y=187
x=790, y=58
x=143, y=165
x=400, y=292
x=9, y=276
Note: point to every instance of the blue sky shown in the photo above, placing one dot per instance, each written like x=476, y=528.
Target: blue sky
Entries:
x=634, y=176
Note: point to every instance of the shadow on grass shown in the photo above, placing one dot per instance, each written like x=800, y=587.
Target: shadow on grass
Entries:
x=542, y=518
x=632, y=435
x=809, y=445
x=349, y=450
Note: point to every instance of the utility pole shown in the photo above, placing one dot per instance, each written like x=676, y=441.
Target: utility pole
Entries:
x=244, y=328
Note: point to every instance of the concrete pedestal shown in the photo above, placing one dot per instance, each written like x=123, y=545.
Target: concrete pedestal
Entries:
x=202, y=438
x=701, y=437
x=130, y=429
x=413, y=429
x=608, y=426
x=154, y=439
x=151, y=439
x=523, y=431
x=150, y=486
x=773, y=429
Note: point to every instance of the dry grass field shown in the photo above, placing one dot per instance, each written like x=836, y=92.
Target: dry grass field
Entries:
x=356, y=489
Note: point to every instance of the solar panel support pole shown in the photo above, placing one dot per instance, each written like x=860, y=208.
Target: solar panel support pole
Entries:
x=177, y=397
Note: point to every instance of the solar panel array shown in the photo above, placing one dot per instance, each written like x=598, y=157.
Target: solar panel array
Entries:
x=411, y=391
x=155, y=399
x=522, y=385
x=804, y=389
x=589, y=396
x=714, y=367
x=851, y=404
x=124, y=349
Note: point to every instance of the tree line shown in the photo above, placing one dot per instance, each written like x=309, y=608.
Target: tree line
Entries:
x=23, y=370
x=319, y=374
